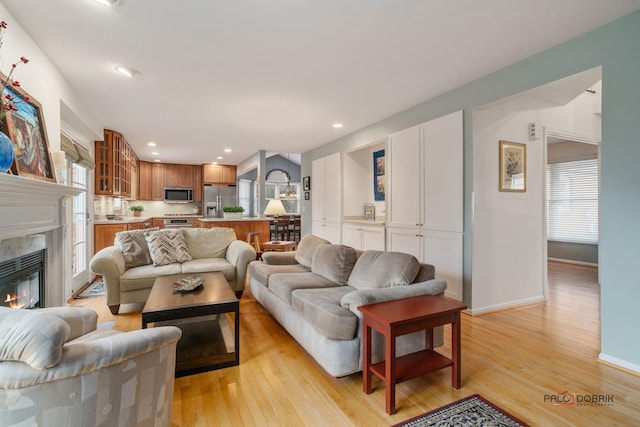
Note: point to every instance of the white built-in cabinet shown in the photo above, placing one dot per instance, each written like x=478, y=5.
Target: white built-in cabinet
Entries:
x=363, y=237
x=326, y=197
x=425, y=196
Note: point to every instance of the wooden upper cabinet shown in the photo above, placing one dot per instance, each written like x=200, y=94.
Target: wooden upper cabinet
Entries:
x=198, y=191
x=157, y=181
x=145, y=180
x=179, y=176
x=218, y=174
x=114, y=160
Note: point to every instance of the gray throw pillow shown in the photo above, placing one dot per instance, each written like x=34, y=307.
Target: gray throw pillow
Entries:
x=376, y=269
x=32, y=337
x=167, y=247
x=334, y=262
x=134, y=247
x=307, y=247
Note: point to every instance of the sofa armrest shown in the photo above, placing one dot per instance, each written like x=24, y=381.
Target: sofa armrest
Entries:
x=90, y=355
x=355, y=299
x=81, y=320
x=240, y=254
x=279, y=258
x=109, y=263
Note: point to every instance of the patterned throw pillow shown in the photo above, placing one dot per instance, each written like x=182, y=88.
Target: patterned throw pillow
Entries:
x=167, y=247
x=133, y=245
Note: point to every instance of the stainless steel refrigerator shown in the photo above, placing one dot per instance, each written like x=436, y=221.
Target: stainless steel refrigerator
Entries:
x=218, y=196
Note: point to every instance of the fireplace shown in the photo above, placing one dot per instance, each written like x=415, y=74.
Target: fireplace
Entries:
x=22, y=281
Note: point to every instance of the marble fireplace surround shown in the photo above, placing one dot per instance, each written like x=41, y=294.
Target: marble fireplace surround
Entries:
x=34, y=213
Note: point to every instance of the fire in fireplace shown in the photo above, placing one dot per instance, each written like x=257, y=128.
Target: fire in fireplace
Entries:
x=22, y=281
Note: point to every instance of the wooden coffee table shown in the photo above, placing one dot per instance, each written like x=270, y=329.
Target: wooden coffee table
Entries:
x=209, y=341
x=401, y=317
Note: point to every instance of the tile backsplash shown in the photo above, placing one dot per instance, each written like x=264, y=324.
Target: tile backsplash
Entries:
x=103, y=205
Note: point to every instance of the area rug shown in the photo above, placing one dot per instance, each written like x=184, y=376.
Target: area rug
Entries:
x=96, y=289
x=471, y=411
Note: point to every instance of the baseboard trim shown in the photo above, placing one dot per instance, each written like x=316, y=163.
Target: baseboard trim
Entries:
x=570, y=261
x=618, y=363
x=505, y=306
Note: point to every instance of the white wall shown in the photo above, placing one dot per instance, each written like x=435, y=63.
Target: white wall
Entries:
x=358, y=181
x=44, y=83
x=508, y=239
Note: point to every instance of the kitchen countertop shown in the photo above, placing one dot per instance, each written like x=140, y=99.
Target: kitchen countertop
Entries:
x=125, y=220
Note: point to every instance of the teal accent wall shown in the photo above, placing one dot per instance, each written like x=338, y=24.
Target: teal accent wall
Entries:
x=616, y=48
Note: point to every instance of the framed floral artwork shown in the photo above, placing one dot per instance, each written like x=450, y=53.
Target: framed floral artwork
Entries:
x=379, y=171
x=24, y=125
x=513, y=166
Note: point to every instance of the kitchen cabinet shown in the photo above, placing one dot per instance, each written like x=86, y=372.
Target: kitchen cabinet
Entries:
x=104, y=234
x=114, y=159
x=144, y=180
x=326, y=197
x=198, y=189
x=157, y=181
x=178, y=176
x=425, y=196
x=363, y=237
x=242, y=227
x=157, y=222
x=218, y=174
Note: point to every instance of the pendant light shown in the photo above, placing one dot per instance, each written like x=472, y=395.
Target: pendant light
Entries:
x=289, y=191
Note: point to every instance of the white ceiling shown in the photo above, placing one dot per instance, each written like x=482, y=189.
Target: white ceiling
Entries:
x=275, y=75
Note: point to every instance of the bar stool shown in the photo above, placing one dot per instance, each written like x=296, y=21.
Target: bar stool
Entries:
x=253, y=238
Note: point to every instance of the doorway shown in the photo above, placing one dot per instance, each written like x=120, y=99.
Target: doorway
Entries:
x=571, y=206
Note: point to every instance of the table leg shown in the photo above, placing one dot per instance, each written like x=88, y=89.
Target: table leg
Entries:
x=390, y=371
x=455, y=352
x=366, y=363
x=428, y=338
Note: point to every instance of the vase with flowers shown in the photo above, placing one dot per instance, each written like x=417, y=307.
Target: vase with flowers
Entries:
x=7, y=103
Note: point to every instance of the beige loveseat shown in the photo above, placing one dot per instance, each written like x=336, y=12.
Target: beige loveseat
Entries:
x=315, y=292
x=58, y=369
x=130, y=267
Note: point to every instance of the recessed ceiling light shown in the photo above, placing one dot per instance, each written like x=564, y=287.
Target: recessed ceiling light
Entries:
x=219, y=157
x=214, y=163
x=107, y=2
x=227, y=150
x=155, y=153
x=337, y=125
x=151, y=144
x=127, y=71
x=157, y=160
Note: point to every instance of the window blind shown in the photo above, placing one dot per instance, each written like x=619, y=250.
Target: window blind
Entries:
x=572, y=201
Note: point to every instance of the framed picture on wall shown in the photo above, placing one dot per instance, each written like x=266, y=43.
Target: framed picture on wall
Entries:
x=379, y=171
x=306, y=183
x=306, y=195
x=513, y=166
x=24, y=125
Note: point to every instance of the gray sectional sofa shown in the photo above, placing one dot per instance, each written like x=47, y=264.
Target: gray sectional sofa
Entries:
x=315, y=292
x=130, y=267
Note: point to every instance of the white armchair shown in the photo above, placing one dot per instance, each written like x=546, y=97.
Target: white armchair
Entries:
x=57, y=369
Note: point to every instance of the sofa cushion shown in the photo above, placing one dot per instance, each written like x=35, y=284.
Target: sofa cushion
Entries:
x=376, y=269
x=209, y=265
x=261, y=272
x=167, y=246
x=283, y=284
x=334, y=262
x=32, y=337
x=208, y=243
x=134, y=247
x=307, y=247
x=143, y=277
x=321, y=308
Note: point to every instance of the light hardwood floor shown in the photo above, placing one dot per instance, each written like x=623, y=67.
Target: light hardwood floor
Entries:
x=514, y=358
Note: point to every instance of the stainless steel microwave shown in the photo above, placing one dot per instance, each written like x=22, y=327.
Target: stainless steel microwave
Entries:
x=178, y=195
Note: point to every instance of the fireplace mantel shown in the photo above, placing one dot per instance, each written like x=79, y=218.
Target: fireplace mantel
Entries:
x=29, y=206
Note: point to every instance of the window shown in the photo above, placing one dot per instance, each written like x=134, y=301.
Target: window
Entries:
x=291, y=204
x=572, y=201
x=79, y=226
x=244, y=196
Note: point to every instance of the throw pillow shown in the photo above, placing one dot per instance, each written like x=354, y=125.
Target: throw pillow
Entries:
x=134, y=247
x=208, y=242
x=32, y=337
x=334, y=262
x=167, y=247
x=376, y=269
x=307, y=247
